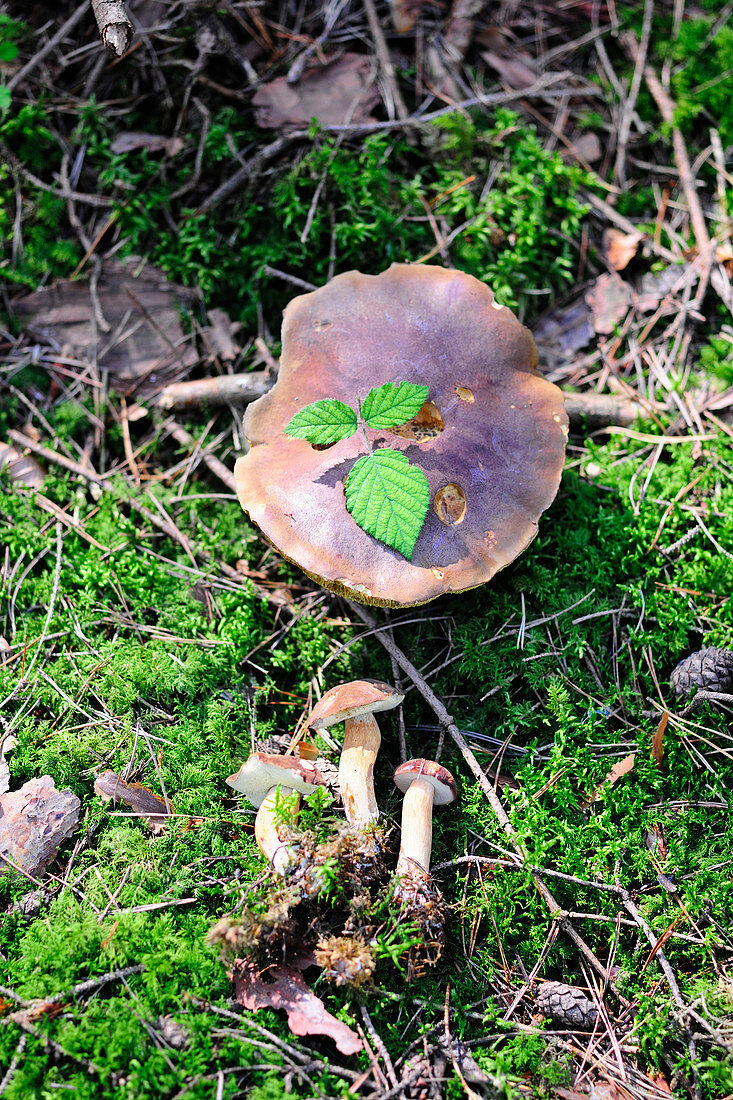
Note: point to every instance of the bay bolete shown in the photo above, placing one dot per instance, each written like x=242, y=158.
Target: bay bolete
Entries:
x=259, y=780
x=425, y=784
x=490, y=438
x=355, y=704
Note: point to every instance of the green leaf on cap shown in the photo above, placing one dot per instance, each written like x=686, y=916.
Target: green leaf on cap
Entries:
x=323, y=422
x=392, y=404
x=388, y=497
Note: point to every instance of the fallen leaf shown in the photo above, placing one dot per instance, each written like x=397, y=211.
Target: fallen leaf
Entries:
x=151, y=807
x=514, y=71
x=21, y=468
x=562, y=332
x=620, y=248
x=307, y=1015
x=609, y=299
x=654, y=287
x=621, y=767
x=34, y=823
x=127, y=142
x=344, y=91
x=658, y=739
x=146, y=346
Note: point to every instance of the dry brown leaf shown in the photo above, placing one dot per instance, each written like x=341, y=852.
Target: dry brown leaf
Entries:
x=307, y=1015
x=151, y=807
x=21, y=468
x=620, y=248
x=341, y=92
x=620, y=768
x=655, y=286
x=126, y=142
x=146, y=346
x=609, y=299
x=658, y=739
x=514, y=70
x=34, y=823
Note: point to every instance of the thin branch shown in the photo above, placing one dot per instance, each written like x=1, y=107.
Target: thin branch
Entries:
x=115, y=28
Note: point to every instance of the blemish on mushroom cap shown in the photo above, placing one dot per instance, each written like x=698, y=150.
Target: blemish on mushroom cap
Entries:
x=505, y=449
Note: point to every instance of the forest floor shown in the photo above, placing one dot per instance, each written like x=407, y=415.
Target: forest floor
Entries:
x=157, y=213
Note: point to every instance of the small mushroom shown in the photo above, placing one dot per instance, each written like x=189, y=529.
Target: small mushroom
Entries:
x=355, y=704
x=425, y=784
x=259, y=780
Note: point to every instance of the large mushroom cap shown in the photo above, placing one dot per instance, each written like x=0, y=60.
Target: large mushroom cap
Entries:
x=353, y=700
x=263, y=771
x=490, y=438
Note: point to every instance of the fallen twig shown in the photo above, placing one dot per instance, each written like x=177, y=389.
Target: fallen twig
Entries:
x=65, y=28
x=219, y=390
x=667, y=108
x=212, y=463
x=115, y=28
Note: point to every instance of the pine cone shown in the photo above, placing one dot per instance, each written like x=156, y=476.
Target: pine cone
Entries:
x=710, y=669
x=566, y=1004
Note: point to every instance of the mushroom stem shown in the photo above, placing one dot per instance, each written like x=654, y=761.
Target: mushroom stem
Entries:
x=269, y=834
x=417, y=827
x=356, y=770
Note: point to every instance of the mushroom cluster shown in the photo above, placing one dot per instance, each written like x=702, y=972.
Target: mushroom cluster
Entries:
x=292, y=915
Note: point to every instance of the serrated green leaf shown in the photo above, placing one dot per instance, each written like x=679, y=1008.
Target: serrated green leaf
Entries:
x=323, y=422
x=388, y=497
x=392, y=404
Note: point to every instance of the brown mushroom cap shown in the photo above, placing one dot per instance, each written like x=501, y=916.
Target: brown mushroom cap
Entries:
x=445, y=788
x=490, y=439
x=352, y=700
x=263, y=771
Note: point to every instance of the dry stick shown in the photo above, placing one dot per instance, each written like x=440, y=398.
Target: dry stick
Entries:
x=671, y=981
x=667, y=108
x=52, y=43
x=10, y=1072
x=219, y=390
x=446, y=721
x=115, y=28
x=216, y=467
x=385, y=61
x=594, y=410
x=629, y=106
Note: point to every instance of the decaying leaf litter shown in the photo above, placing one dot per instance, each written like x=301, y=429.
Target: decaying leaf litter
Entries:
x=150, y=640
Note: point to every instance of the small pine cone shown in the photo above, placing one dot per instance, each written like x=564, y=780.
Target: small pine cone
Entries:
x=710, y=669
x=566, y=1004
